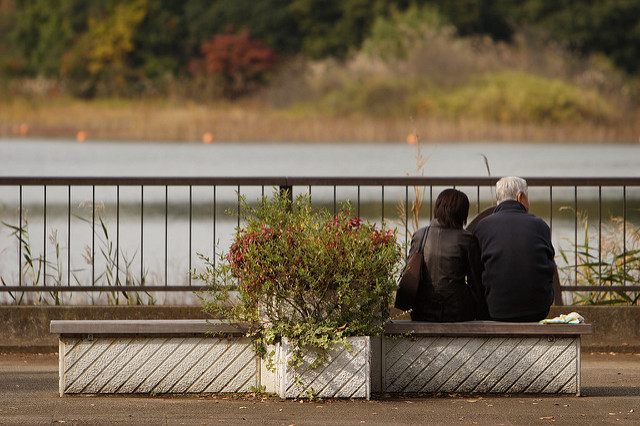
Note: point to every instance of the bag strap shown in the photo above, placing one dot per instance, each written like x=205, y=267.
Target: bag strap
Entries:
x=423, y=241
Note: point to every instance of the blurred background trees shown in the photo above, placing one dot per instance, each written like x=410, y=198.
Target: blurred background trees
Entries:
x=145, y=48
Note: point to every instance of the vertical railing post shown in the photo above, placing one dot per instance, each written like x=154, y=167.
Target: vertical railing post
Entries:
x=44, y=242
x=334, y=200
x=166, y=234
x=69, y=237
x=286, y=191
x=383, y=204
x=239, y=197
x=406, y=218
x=624, y=235
x=600, y=234
x=214, y=223
x=93, y=235
x=575, y=234
x=431, y=202
x=20, y=238
x=118, y=235
x=551, y=208
x=142, y=235
x=190, y=228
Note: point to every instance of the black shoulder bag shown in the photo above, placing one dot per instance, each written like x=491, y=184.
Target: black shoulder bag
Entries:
x=410, y=279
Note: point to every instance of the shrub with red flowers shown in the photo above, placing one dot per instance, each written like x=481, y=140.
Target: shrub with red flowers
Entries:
x=304, y=274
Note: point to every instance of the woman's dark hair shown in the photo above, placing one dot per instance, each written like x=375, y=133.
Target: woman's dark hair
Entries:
x=452, y=208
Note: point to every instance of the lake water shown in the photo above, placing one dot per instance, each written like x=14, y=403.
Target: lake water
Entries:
x=41, y=157
x=38, y=157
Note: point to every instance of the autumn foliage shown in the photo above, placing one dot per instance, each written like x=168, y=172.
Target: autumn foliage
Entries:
x=242, y=62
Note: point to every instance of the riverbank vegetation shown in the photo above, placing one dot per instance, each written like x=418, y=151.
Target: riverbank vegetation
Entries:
x=137, y=70
x=609, y=256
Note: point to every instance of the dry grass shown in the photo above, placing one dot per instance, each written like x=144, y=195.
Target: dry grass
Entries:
x=365, y=99
x=160, y=121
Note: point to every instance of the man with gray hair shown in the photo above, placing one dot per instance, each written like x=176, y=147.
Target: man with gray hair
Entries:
x=517, y=256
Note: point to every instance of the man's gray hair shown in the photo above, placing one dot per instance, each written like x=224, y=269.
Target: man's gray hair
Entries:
x=509, y=187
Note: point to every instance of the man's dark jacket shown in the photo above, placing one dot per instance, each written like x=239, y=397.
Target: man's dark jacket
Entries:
x=517, y=257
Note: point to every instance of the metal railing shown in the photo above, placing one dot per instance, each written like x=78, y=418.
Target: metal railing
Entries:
x=559, y=200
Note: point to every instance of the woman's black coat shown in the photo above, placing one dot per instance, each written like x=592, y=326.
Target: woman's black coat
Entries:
x=451, y=289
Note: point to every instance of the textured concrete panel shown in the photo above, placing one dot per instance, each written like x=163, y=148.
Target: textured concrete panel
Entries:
x=156, y=364
x=482, y=364
x=346, y=373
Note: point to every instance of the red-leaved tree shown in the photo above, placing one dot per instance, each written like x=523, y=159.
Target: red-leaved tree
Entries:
x=240, y=60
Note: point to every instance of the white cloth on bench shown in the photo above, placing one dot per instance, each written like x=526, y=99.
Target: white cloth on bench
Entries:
x=572, y=318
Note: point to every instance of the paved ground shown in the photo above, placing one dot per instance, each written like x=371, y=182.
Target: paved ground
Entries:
x=610, y=387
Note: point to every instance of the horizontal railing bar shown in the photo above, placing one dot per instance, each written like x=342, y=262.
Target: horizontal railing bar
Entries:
x=197, y=288
x=603, y=288
x=309, y=180
x=106, y=288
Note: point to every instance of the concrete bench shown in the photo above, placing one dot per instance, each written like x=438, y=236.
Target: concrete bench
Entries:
x=482, y=357
x=154, y=356
x=199, y=356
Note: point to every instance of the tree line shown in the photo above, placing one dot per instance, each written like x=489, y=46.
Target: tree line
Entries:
x=123, y=44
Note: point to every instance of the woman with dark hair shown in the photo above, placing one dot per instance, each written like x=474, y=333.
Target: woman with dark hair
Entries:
x=451, y=286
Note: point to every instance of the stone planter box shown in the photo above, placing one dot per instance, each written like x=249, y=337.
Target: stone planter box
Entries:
x=346, y=373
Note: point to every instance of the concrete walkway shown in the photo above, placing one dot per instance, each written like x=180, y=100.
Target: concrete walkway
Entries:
x=610, y=388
